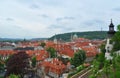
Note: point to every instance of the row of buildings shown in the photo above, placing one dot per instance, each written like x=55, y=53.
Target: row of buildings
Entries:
x=53, y=66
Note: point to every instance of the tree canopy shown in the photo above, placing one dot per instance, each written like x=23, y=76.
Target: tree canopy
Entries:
x=43, y=44
x=1, y=65
x=18, y=64
x=116, y=39
x=79, y=58
x=88, y=35
x=34, y=61
x=52, y=52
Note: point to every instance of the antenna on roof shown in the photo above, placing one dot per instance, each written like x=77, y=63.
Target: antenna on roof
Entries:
x=101, y=29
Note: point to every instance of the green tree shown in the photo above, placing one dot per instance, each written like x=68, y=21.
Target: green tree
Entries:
x=98, y=64
x=110, y=68
x=114, y=65
x=95, y=69
x=79, y=58
x=106, y=68
x=43, y=44
x=34, y=61
x=14, y=76
x=117, y=67
x=52, y=52
x=102, y=48
x=116, y=40
x=1, y=65
x=101, y=59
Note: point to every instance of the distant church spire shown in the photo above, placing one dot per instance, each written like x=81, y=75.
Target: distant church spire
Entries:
x=55, y=39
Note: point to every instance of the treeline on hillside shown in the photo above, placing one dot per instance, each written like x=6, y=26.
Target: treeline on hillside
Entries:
x=18, y=40
x=10, y=40
x=88, y=35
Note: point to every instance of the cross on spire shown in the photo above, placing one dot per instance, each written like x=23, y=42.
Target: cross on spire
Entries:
x=111, y=20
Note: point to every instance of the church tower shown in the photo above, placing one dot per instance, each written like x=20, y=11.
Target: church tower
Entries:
x=111, y=31
x=109, y=45
x=75, y=37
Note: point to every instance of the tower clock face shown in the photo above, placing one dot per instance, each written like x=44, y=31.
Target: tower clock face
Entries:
x=111, y=29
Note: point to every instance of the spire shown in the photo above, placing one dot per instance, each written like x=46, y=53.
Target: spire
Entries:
x=55, y=39
x=111, y=20
x=111, y=24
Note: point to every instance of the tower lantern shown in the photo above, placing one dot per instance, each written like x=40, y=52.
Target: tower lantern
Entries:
x=111, y=31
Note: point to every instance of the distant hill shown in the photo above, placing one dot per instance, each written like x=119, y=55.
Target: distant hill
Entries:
x=18, y=39
x=66, y=36
x=9, y=39
x=88, y=35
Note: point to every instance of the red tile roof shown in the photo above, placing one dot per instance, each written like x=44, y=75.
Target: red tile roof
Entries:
x=54, y=66
x=6, y=52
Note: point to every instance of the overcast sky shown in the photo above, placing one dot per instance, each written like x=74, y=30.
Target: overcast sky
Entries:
x=45, y=18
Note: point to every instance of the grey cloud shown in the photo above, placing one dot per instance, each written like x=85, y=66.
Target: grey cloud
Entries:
x=58, y=19
x=67, y=29
x=55, y=26
x=98, y=21
x=9, y=19
x=52, y=2
x=18, y=32
x=93, y=22
x=88, y=23
x=26, y=1
x=65, y=18
x=44, y=16
x=34, y=6
x=69, y=18
x=64, y=28
x=116, y=9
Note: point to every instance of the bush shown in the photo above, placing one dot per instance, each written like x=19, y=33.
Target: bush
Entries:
x=117, y=74
x=71, y=74
x=92, y=76
x=14, y=76
x=79, y=68
x=1, y=77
